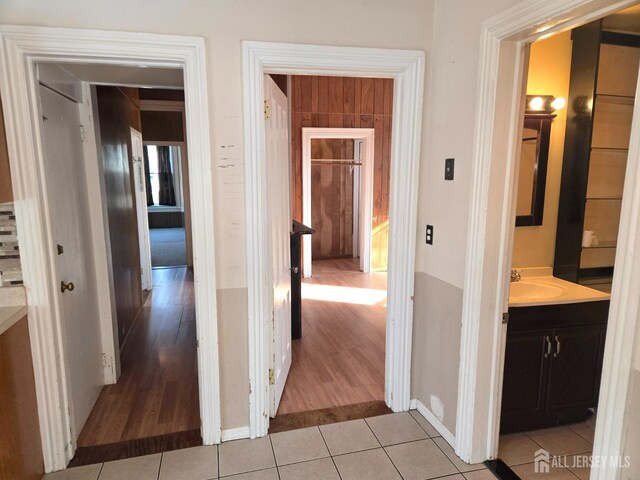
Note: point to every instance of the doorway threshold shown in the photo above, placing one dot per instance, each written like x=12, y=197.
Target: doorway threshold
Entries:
x=325, y=416
x=136, y=447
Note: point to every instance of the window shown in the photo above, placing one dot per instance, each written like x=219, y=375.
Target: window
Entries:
x=155, y=175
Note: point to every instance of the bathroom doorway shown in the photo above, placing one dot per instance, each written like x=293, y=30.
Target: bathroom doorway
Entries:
x=580, y=92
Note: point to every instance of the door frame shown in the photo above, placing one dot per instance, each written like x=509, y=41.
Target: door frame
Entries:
x=140, y=181
x=22, y=47
x=503, y=45
x=406, y=67
x=366, y=189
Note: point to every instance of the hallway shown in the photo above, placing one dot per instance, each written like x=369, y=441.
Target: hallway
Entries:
x=157, y=392
x=340, y=358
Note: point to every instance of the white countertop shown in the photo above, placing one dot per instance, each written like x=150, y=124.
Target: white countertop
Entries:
x=538, y=287
x=13, y=306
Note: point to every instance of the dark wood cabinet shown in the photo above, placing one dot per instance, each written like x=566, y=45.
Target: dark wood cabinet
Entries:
x=553, y=364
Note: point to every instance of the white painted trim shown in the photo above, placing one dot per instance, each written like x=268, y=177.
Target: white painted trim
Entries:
x=235, y=433
x=435, y=423
x=21, y=48
x=502, y=45
x=406, y=67
x=140, y=185
x=366, y=194
x=94, y=174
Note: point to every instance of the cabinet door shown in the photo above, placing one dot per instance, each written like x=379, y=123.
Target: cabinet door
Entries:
x=575, y=370
x=525, y=380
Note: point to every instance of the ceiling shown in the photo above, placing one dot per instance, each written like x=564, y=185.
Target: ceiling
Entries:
x=126, y=76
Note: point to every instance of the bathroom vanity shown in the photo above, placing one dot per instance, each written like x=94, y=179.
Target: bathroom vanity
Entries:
x=554, y=351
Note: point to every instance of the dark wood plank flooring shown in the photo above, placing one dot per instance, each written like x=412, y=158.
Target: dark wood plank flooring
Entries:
x=157, y=393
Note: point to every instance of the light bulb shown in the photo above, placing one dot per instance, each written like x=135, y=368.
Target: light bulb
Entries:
x=558, y=103
x=536, y=103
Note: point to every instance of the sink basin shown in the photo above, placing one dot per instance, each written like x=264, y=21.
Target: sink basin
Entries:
x=526, y=290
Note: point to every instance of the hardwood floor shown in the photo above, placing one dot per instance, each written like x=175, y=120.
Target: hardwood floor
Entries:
x=340, y=358
x=157, y=392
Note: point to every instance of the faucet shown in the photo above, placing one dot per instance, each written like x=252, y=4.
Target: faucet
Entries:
x=515, y=275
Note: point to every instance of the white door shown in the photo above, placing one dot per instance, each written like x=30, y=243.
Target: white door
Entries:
x=279, y=208
x=71, y=231
x=141, y=208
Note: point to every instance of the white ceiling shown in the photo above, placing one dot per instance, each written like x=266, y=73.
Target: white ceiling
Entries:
x=127, y=76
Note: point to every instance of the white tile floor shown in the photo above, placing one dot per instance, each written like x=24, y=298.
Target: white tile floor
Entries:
x=517, y=450
x=399, y=446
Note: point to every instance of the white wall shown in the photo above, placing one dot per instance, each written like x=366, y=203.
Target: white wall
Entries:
x=449, y=127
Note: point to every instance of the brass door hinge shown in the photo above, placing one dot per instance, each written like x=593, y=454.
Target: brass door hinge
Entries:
x=272, y=377
x=267, y=109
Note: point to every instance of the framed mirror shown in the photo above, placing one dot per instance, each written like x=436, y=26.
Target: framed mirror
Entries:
x=532, y=177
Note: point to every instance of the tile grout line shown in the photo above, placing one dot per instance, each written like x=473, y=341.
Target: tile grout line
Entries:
x=275, y=459
x=447, y=456
x=383, y=449
x=160, y=465
x=330, y=454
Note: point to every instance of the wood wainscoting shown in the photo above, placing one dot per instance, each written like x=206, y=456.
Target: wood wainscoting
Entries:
x=347, y=102
x=20, y=443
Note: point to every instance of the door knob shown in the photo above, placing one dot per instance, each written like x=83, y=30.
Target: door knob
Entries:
x=295, y=269
x=67, y=287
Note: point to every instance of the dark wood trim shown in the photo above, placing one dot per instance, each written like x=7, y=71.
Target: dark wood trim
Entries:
x=577, y=151
x=623, y=39
x=595, y=272
x=542, y=123
x=136, y=448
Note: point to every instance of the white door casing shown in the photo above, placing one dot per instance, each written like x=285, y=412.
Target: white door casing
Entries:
x=279, y=206
x=140, y=182
x=502, y=51
x=22, y=47
x=357, y=197
x=71, y=232
x=365, y=211
x=406, y=67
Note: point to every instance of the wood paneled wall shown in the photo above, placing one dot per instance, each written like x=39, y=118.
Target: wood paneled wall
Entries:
x=118, y=111
x=349, y=103
x=6, y=192
x=20, y=444
x=332, y=199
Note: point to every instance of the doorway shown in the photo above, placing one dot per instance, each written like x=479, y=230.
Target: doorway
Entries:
x=489, y=248
x=338, y=353
x=584, y=155
x=407, y=70
x=50, y=357
x=337, y=186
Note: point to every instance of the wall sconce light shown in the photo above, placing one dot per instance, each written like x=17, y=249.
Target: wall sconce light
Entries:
x=544, y=104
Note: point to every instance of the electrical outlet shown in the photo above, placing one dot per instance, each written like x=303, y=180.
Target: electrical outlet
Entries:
x=429, y=237
x=448, y=168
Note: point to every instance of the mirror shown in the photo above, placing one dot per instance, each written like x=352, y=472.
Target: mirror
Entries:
x=534, y=154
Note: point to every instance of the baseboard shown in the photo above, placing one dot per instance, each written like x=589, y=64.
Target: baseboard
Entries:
x=235, y=433
x=413, y=404
x=433, y=420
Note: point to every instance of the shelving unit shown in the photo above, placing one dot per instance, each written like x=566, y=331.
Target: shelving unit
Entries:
x=601, y=99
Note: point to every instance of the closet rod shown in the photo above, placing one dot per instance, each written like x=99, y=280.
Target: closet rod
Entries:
x=335, y=162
